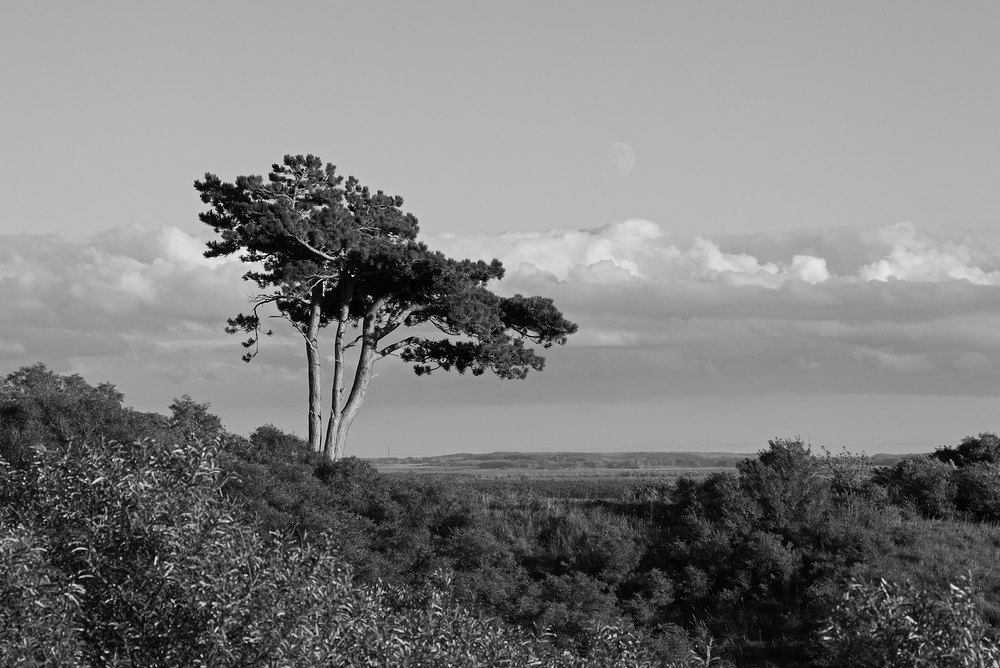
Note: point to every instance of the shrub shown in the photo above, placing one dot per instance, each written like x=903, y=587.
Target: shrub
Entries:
x=129, y=554
x=38, y=406
x=144, y=562
x=923, y=484
x=785, y=481
x=889, y=625
x=978, y=491
x=37, y=603
x=972, y=450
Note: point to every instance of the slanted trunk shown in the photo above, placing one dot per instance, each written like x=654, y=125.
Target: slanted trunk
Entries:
x=344, y=412
x=313, y=362
x=362, y=378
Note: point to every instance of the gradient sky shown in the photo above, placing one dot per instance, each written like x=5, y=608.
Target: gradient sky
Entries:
x=808, y=243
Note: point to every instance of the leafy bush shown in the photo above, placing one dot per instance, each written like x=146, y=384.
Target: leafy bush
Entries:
x=37, y=604
x=984, y=448
x=978, y=491
x=157, y=567
x=786, y=483
x=923, y=484
x=888, y=625
x=39, y=406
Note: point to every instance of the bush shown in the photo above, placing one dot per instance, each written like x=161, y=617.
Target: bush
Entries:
x=38, y=406
x=923, y=484
x=129, y=554
x=786, y=483
x=984, y=448
x=143, y=561
x=888, y=625
x=37, y=604
x=978, y=491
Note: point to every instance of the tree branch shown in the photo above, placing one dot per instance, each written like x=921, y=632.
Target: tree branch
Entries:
x=396, y=320
x=314, y=251
x=390, y=349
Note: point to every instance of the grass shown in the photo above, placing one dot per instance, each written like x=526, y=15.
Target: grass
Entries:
x=933, y=553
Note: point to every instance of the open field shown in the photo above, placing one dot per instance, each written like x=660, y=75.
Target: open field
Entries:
x=561, y=465
x=659, y=471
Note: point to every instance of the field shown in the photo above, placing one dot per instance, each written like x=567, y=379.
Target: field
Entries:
x=571, y=462
x=565, y=465
x=658, y=472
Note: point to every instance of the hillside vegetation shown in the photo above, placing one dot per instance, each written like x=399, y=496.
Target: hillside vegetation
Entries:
x=138, y=539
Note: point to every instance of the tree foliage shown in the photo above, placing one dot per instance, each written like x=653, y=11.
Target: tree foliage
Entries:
x=336, y=254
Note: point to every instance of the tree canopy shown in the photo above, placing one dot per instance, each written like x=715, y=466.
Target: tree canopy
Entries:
x=331, y=252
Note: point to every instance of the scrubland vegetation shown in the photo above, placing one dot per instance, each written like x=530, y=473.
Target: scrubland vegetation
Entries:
x=136, y=539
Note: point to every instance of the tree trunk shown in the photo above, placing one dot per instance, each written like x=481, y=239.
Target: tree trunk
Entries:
x=336, y=402
x=313, y=362
x=362, y=378
x=343, y=415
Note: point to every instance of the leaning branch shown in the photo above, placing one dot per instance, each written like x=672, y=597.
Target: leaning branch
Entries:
x=396, y=320
x=390, y=349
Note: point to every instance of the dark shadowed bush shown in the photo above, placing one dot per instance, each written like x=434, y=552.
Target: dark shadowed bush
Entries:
x=984, y=448
x=923, y=484
x=38, y=406
x=978, y=491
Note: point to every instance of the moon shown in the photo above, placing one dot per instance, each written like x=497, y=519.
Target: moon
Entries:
x=622, y=158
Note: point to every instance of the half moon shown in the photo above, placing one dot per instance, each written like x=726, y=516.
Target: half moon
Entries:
x=622, y=158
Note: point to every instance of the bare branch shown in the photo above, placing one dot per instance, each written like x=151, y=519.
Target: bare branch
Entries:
x=392, y=348
x=354, y=342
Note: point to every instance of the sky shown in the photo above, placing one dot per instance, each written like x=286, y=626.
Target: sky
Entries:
x=808, y=242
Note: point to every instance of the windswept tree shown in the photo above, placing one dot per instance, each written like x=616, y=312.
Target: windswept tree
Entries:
x=334, y=253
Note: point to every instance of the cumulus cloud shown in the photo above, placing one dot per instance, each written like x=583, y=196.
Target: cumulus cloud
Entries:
x=916, y=257
x=631, y=250
x=639, y=250
x=891, y=300
x=128, y=293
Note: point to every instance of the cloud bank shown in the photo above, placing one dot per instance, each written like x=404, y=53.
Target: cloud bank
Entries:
x=888, y=309
x=123, y=303
x=922, y=309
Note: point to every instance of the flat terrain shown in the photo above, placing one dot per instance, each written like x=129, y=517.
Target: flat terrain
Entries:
x=576, y=464
x=648, y=472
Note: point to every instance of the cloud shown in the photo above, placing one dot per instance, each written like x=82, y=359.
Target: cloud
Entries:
x=917, y=257
x=914, y=307
x=114, y=294
x=837, y=310
x=640, y=250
